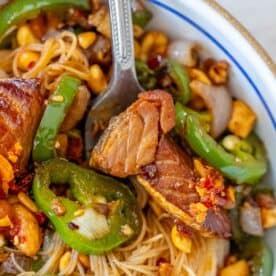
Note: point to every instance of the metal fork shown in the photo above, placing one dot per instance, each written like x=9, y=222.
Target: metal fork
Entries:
x=124, y=85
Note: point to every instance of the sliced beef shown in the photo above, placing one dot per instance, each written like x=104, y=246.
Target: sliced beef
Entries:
x=21, y=104
x=175, y=180
x=131, y=139
x=135, y=144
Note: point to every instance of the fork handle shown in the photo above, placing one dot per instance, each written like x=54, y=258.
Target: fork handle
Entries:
x=122, y=36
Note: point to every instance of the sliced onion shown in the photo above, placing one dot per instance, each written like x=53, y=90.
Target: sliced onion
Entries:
x=250, y=220
x=184, y=52
x=219, y=103
x=92, y=224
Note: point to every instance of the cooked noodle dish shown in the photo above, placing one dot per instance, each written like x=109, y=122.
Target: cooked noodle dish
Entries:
x=174, y=185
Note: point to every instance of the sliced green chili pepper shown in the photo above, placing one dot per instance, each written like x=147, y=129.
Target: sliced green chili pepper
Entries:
x=81, y=225
x=181, y=78
x=260, y=255
x=141, y=18
x=248, y=171
x=59, y=103
x=145, y=75
x=21, y=10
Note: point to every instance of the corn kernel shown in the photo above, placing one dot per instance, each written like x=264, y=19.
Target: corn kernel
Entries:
x=26, y=59
x=84, y=260
x=86, y=39
x=64, y=260
x=268, y=217
x=154, y=43
x=97, y=80
x=196, y=74
x=27, y=202
x=239, y=268
x=180, y=240
x=230, y=142
x=25, y=36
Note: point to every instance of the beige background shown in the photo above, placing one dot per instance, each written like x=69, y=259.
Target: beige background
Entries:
x=259, y=17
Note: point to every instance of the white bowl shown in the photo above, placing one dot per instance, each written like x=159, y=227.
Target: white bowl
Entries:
x=252, y=77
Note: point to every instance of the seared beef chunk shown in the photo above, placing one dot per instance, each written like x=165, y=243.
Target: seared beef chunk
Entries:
x=135, y=144
x=21, y=104
x=175, y=185
x=131, y=139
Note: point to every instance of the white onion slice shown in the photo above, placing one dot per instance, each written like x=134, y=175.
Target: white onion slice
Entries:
x=219, y=103
x=184, y=52
x=250, y=220
x=92, y=224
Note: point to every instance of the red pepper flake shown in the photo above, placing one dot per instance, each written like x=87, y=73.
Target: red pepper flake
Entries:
x=72, y=226
x=154, y=62
x=40, y=217
x=160, y=261
x=75, y=149
x=31, y=64
x=21, y=185
x=208, y=183
x=149, y=171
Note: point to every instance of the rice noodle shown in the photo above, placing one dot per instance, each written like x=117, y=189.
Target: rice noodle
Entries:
x=58, y=55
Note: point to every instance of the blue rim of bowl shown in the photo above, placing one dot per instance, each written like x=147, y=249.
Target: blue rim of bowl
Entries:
x=222, y=48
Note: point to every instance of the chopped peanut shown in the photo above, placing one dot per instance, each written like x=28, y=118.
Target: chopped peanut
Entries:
x=242, y=120
x=268, y=217
x=64, y=260
x=180, y=240
x=218, y=72
x=58, y=208
x=29, y=237
x=153, y=43
x=97, y=80
x=84, y=260
x=27, y=202
x=25, y=36
x=86, y=39
x=197, y=74
x=239, y=268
